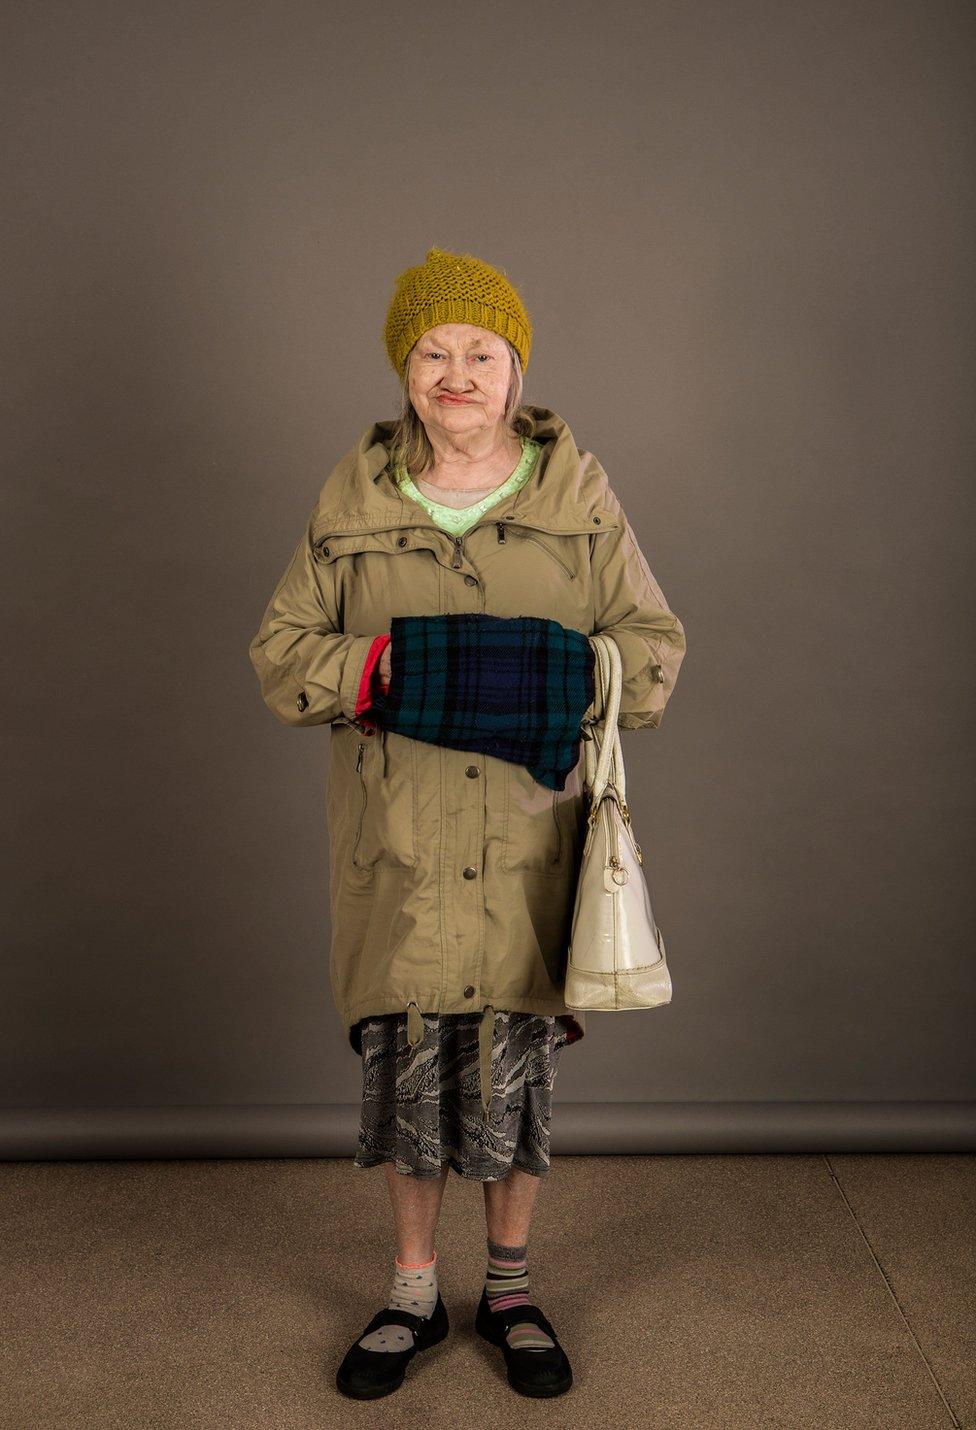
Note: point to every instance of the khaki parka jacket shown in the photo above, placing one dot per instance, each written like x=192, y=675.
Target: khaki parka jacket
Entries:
x=452, y=874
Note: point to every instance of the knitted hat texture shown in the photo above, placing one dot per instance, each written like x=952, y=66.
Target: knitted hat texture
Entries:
x=454, y=288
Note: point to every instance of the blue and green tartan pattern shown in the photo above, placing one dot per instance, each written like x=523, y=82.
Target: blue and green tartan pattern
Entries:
x=514, y=687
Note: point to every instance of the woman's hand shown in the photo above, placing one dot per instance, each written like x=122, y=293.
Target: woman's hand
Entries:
x=384, y=668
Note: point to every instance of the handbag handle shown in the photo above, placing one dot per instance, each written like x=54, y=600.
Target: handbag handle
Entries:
x=607, y=767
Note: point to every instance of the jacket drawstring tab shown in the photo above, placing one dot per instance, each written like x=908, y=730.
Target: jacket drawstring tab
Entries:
x=415, y=1024
x=486, y=1031
x=383, y=752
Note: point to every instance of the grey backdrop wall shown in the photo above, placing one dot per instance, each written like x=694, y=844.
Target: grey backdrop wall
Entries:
x=742, y=233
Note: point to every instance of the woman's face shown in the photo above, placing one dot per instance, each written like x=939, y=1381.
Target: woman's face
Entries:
x=458, y=377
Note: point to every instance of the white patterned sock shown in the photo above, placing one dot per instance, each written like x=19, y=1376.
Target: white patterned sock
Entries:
x=414, y=1289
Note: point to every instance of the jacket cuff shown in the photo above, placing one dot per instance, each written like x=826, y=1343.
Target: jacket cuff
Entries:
x=352, y=674
x=364, y=697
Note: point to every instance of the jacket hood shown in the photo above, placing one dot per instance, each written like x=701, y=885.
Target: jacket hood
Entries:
x=568, y=491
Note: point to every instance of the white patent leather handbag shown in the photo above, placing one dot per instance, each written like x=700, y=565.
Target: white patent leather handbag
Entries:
x=616, y=955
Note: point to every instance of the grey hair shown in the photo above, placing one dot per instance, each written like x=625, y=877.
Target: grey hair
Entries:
x=410, y=446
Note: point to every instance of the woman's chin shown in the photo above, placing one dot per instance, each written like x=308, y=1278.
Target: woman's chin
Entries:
x=458, y=416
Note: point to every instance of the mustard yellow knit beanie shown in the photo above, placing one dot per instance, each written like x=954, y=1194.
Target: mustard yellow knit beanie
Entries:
x=454, y=288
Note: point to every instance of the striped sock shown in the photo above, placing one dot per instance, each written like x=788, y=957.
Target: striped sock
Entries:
x=414, y=1289
x=507, y=1284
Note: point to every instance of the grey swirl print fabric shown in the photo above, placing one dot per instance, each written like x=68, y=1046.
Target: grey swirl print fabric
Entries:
x=421, y=1105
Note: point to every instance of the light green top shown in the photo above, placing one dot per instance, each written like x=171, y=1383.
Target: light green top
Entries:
x=458, y=520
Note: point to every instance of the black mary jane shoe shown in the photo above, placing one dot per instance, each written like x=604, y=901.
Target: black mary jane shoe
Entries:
x=538, y=1373
x=366, y=1375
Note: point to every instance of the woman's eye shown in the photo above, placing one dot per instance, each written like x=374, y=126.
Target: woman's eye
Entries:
x=486, y=356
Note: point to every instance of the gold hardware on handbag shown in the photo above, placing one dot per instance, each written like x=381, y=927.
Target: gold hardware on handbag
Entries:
x=616, y=956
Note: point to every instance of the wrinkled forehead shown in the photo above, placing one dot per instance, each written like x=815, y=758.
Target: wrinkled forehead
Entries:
x=461, y=336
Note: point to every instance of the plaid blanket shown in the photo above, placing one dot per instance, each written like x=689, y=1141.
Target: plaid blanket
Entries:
x=515, y=687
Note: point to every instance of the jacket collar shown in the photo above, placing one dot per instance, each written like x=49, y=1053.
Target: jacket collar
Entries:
x=566, y=492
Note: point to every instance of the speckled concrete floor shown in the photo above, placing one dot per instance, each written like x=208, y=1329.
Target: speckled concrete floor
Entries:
x=688, y=1291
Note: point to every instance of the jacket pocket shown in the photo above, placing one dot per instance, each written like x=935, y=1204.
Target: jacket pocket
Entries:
x=543, y=544
x=373, y=801
x=534, y=837
x=386, y=769
x=360, y=855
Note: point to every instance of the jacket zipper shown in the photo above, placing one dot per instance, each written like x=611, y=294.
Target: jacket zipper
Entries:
x=485, y=521
x=502, y=537
x=458, y=558
x=531, y=536
x=362, y=812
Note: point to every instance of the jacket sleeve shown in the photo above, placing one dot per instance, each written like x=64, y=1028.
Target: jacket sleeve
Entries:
x=310, y=672
x=630, y=607
x=371, y=681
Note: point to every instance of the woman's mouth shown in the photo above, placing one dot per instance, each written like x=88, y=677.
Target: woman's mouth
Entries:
x=452, y=401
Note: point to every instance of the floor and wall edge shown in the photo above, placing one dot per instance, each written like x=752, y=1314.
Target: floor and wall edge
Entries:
x=578, y=1129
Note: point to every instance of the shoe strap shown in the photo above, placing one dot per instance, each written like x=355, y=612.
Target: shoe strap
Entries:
x=511, y=1315
x=392, y=1316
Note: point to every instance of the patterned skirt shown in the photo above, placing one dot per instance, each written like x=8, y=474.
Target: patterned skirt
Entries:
x=421, y=1105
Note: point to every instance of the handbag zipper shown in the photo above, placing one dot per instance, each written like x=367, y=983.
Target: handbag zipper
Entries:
x=625, y=811
x=613, y=854
x=613, y=843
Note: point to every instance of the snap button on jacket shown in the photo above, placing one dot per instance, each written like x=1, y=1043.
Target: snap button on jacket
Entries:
x=450, y=893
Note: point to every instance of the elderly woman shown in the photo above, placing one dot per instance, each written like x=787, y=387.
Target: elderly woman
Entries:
x=453, y=876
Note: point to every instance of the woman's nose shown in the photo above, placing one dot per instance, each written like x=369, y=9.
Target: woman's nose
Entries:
x=455, y=378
